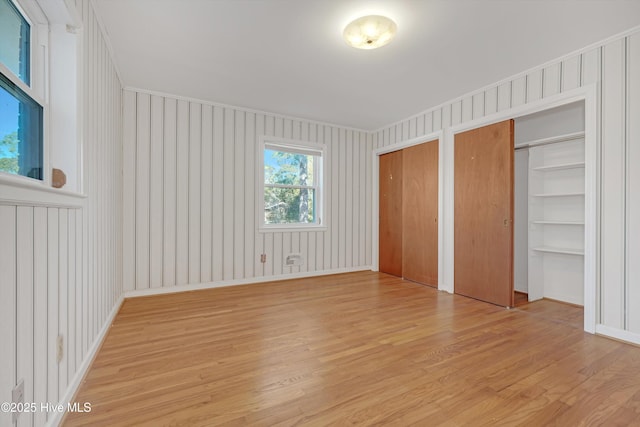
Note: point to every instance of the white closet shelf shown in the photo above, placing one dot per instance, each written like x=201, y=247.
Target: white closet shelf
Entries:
x=575, y=165
x=551, y=140
x=558, y=250
x=558, y=222
x=558, y=194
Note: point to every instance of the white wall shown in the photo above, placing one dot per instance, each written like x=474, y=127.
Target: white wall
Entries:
x=190, y=195
x=615, y=67
x=557, y=121
x=60, y=255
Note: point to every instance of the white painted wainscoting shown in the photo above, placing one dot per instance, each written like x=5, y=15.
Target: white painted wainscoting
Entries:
x=190, y=212
x=60, y=254
x=614, y=67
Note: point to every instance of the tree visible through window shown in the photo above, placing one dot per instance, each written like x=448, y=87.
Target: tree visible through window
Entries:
x=291, y=185
x=21, y=116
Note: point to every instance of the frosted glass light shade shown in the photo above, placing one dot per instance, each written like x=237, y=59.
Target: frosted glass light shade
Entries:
x=370, y=32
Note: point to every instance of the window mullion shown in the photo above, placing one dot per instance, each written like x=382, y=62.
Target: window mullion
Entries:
x=309, y=187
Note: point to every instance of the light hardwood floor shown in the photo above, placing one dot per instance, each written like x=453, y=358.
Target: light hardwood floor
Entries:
x=359, y=348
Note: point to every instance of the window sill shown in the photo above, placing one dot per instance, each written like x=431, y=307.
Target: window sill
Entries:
x=292, y=228
x=19, y=190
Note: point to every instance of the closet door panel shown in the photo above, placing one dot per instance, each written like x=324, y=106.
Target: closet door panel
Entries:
x=390, y=252
x=420, y=213
x=483, y=216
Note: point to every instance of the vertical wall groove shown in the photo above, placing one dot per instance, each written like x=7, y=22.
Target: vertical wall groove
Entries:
x=626, y=197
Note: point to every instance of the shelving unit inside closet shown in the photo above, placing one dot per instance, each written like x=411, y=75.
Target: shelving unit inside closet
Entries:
x=553, y=142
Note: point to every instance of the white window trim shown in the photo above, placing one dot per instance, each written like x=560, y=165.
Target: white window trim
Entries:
x=36, y=90
x=43, y=16
x=320, y=177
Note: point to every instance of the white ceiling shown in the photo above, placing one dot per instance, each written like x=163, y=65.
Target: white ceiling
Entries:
x=288, y=56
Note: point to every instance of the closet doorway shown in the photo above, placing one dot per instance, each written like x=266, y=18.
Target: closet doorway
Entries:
x=408, y=213
x=550, y=204
x=520, y=210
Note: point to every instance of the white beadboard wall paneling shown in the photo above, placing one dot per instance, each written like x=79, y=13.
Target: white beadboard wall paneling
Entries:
x=633, y=183
x=239, y=181
x=344, y=255
x=551, y=79
x=129, y=193
x=169, y=187
x=613, y=66
x=456, y=113
x=52, y=303
x=143, y=151
x=419, y=128
x=70, y=339
x=334, y=196
x=204, y=229
x=156, y=192
x=447, y=116
x=490, y=101
x=40, y=301
x=534, y=85
x=368, y=200
x=206, y=201
x=182, y=195
x=194, y=194
x=259, y=267
x=571, y=70
x=218, y=188
x=437, y=120
x=8, y=312
x=63, y=290
x=504, y=96
x=359, y=187
x=228, y=195
x=612, y=185
x=467, y=109
x=250, y=255
x=25, y=294
x=519, y=91
x=325, y=237
x=477, y=106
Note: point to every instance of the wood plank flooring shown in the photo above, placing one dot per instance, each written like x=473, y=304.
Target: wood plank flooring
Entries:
x=359, y=348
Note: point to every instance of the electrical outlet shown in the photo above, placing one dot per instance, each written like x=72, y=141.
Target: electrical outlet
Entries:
x=59, y=348
x=293, y=260
x=263, y=258
x=17, y=397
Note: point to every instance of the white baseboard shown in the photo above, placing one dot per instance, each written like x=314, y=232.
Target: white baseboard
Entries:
x=73, y=386
x=252, y=280
x=619, y=334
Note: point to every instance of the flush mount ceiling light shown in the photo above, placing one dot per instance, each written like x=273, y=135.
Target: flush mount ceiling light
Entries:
x=370, y=32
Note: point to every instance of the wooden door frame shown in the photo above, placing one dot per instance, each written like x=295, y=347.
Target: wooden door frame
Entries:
x=587, y=94
x=375, y=201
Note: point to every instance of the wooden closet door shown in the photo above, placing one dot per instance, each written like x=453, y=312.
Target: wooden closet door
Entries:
x=420, y=213
x=390, y=232
x=483, y=203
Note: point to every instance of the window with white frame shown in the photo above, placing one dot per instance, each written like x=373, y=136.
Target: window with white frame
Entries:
x=292, y=178
x=21, y=115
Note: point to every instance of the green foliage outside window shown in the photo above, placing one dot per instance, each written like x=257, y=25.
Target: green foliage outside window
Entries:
x=289, y=194
x=9, y=153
